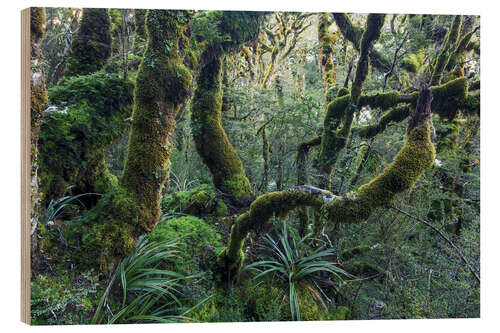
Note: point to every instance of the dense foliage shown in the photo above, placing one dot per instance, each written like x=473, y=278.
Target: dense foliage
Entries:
x=243, y=166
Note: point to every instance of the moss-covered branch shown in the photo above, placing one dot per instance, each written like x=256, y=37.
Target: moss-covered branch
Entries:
x=353, y=33
x=87, y=115
x=132, y=208
x=446, y=50
x=340, y=112
x=211, y=140
x=395, y=115
x=162, y=87
x=374, y=25
x=413, y=159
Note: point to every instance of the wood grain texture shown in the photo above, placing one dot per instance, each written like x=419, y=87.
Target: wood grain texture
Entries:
x=25, y=167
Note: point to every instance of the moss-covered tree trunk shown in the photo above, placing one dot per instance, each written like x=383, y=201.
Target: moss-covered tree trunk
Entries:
x=162, y=87
x=340, y=112
x=326, y=45
x=211, y=140
x=38, y=103
x=91, y=46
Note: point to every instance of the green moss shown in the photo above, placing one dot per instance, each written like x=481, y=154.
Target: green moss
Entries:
x=343, y=91
x=450, y=97
x=353, y=34
x=106, y=233
x=90, y=116
x=211, y=140
x=472, y=104
x=326, y=44
x=412, y=62
x=372, y=32
x=413, y=159
x=384, y=101
x=162, y=86
x=396, y=115
x=195, y=239
x=37, y=22
x=200, y=201
x=259, y=218
x=140, y=22
x=446, y=50
x=91, y=46
x=333, y=138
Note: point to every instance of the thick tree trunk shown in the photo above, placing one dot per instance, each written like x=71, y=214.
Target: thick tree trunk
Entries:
x=37, y=105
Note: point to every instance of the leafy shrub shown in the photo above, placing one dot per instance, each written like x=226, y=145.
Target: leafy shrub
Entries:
x=297, y=268
x=59, y=300
x=147, y=293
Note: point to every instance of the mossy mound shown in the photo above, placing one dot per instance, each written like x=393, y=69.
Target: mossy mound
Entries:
x=197, y=242
x=200, y=201
x=88, y=114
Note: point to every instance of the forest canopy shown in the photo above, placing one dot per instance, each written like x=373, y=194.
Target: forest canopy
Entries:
x=211, y=166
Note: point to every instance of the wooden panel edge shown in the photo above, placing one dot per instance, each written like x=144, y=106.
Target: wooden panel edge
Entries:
x=25, y=168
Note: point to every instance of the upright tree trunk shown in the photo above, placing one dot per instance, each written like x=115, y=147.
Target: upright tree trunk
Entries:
x=37, y=105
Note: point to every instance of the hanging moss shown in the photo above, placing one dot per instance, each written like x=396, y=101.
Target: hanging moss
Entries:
x=210, y=138
x=88, y=115
x=91, y=46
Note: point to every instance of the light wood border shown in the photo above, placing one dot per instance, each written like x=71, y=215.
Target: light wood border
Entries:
x=25, y=167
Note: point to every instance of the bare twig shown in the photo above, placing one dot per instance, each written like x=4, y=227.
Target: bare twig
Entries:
x=430, y=225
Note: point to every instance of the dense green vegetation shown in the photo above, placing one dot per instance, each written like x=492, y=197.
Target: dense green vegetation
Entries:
x=208, y=166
